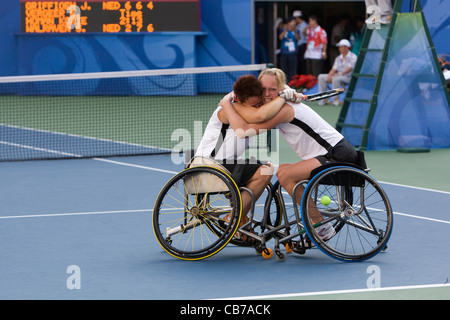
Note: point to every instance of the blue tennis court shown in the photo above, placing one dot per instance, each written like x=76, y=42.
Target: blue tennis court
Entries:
x=47, y=144
x=94, y=216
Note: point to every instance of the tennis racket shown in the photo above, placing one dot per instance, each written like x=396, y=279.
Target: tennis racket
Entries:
x=323, y=95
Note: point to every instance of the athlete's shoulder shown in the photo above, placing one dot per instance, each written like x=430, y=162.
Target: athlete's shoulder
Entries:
x=221, y=115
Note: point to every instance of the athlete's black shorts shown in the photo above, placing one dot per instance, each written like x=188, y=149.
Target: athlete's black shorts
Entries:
x=343, y=151
x=242, y=170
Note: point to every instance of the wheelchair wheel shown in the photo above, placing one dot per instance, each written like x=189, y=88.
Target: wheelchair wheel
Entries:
x=197, y=213
x=269, y=202
x=357, y=208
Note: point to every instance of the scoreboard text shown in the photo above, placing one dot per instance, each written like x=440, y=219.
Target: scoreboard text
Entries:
x=109, y=16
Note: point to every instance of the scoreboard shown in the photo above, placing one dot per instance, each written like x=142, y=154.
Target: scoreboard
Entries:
x=120, y=16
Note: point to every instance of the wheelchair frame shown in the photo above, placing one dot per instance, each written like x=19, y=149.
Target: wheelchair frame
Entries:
x=361, y=231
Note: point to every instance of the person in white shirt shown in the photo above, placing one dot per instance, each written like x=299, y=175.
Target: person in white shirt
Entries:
x=316, y=47
x=219, y=141
x=314, y=140
x=341, y=72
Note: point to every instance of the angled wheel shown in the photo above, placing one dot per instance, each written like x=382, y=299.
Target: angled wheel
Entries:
x=267, y=213
x=197, y=213
x=271, y=204
x=357, y=208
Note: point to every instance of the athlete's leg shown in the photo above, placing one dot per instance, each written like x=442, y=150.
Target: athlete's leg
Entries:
x=290, y=174
x=256, y=184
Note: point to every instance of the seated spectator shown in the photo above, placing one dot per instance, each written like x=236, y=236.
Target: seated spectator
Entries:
x=341, y=72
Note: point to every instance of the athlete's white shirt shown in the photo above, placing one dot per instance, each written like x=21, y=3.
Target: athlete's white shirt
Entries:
x=303, y=134
x=232, y=147
x=305, y=144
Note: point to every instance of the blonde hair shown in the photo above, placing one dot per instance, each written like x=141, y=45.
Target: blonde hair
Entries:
x=277, y=73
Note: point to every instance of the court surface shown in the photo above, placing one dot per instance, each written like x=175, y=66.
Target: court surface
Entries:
x=94, y=216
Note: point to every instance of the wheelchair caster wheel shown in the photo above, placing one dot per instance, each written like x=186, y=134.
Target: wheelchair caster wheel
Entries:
x=298, y=248
x=288, y=247
x=267, y=253
x=258, y=248
x=280, y=255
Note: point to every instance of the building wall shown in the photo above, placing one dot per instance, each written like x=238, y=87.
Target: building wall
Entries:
x=225, y=38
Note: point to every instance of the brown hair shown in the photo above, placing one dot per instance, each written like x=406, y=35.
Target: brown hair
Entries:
x=247, y=86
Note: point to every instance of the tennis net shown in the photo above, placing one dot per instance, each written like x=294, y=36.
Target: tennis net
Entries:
x=111, y=113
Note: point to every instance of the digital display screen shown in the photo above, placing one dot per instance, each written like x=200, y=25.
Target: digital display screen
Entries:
x=109, y=16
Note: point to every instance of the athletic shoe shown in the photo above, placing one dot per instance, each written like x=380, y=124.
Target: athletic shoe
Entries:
x=326, y=231
x=385, y=19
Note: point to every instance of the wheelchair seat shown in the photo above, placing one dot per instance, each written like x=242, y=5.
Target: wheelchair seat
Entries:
x=342, y=177
x=205, y=182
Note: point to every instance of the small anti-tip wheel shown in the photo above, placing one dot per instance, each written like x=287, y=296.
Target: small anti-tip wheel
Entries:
x=280, y=255
x=267, y=253
x=288, y=247
x=258, y=248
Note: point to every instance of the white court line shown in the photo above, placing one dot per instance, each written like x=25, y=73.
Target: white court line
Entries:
x=39, y=149
x=67, y=135
x=412, y=187
x=134, y=165
x=173, y=172
x=423, y=218
x=151, y=210
x=307, y=294
x=80, y=156
x=406, y=215
x=73, y=214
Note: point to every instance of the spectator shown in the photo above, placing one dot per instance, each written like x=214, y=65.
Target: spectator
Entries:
x=341, y=30
x=301, y=44
x=316, y=47
x=357, y=35
x=278, y=29
x=289, y=38
x=340, y=72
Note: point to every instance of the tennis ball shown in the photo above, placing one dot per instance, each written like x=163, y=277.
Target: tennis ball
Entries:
x=325, y=200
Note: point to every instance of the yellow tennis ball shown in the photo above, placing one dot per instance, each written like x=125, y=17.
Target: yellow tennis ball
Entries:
x=325, y=200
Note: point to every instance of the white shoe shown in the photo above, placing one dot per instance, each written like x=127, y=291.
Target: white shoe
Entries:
x=385, y=19
x=326, y=231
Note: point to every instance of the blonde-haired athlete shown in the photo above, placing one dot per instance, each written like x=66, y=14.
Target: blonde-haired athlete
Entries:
x=314, y=140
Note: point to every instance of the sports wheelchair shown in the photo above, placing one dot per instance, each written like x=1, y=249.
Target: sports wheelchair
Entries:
x=199, y=211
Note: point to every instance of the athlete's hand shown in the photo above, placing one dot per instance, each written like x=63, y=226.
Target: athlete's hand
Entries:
x=291, y=95
x=287, y=94
x=229, y=97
